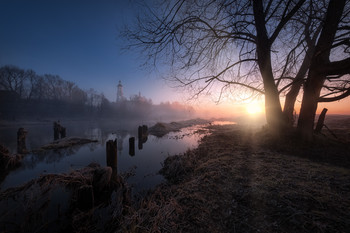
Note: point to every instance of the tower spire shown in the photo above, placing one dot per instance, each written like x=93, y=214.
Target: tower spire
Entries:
x=120, y=96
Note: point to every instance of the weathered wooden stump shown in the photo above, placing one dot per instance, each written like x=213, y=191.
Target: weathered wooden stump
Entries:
x=21, y=141
x=56, y=131
x=320, y=122
x=144, y=130
x=63, y=132
x=132, y=146
x=142, y=135
x=140, y=132
x=111, y=154
x=140, y=144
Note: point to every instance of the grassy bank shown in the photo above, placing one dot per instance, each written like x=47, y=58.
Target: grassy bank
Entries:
x=241, y=180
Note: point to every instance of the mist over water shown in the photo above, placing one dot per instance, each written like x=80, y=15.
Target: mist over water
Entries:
x=143, y=166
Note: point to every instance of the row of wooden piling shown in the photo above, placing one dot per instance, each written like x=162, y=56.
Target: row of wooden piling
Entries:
x=111, y=147
x=58, y=132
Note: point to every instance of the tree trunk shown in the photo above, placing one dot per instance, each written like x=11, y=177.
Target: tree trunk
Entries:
x=316, y=76
x=273, y=110
x=308, y=108
x=292, y=95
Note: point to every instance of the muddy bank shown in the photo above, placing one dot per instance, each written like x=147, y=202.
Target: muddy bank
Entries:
x=91, y=199
x=160, y=129
x=242, y=180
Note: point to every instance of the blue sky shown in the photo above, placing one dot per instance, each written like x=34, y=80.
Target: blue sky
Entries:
x=79, y=41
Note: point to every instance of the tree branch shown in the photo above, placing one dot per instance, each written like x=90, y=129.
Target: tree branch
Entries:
x=337, y=67
x=285, y=20
x=243, y=85
x=336, y=98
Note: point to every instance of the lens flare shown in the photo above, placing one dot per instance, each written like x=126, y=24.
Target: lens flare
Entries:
x=253, y=108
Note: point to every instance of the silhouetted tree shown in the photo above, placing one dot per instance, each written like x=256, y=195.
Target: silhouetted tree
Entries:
x=25, y=93
x=326, y=73
x=309, y=20
x=229, y=42
x=12, y=78
x=266, y=47
x=32, y=83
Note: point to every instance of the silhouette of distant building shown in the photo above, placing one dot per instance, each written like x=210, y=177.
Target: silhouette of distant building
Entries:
x=120, y=96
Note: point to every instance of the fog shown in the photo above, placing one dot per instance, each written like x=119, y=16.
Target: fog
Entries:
x=25, y=95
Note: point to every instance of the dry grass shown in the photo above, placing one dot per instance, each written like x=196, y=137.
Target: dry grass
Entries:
x=8, y=162
x=235, y=181
x=55, y=203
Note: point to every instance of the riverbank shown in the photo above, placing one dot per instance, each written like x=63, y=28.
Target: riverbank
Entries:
x=242, y=180
x=84, y=200
x=160, y=128
x=239, y=179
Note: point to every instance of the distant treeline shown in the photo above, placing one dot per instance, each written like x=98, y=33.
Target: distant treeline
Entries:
x=25, y=94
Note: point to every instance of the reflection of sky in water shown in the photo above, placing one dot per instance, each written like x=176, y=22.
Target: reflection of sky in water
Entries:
x=146, y=162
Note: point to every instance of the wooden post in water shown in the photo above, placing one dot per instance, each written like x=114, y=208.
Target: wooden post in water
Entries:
x=140, y=132
x=140, y=138
x=63, y=132
x=143, y=134
x=56, y=130
x=320, y=121
x=132, y=146
x=140, y=144
x=21, y=141
x=111, y=154
x=144, y=130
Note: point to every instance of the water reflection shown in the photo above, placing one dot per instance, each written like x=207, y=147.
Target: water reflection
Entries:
x=145, y=161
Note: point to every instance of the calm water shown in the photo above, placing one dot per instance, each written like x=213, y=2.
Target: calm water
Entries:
x=144, y=164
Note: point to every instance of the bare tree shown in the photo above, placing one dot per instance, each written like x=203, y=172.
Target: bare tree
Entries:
x=233, y=43
x=32, y=80
x=12, y=78
x=309, y=19
x=328, y=78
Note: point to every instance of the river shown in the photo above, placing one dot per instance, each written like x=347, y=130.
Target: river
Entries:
x=142, y=168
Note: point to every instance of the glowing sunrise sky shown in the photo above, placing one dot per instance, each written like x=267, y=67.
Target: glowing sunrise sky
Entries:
x=79, y=41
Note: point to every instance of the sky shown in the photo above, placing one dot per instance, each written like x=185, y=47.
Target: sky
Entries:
x=79, y=40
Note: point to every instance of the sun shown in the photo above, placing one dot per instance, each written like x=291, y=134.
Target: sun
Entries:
x=253, y=108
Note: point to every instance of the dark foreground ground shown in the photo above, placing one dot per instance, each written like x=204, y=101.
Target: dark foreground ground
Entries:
x=243, y=180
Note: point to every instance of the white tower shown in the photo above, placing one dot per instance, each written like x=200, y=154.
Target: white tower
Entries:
x=120, y=96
